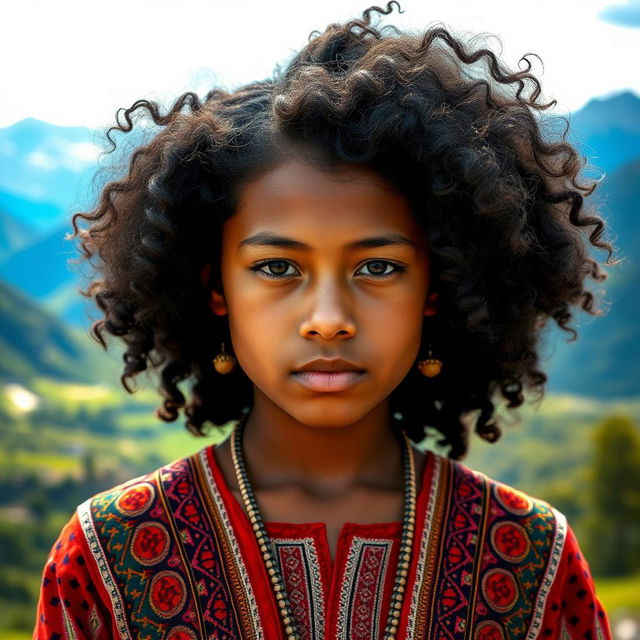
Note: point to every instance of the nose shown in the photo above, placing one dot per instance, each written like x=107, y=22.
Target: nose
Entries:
x=329, y=311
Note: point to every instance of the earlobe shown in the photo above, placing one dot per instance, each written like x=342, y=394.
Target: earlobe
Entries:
x=216, y=299
x=217, y=303
x=431, y=306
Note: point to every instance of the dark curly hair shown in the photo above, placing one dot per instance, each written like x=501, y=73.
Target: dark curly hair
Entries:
x=497, y=193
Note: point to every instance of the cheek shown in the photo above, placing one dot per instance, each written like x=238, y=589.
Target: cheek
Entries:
x=395, y=332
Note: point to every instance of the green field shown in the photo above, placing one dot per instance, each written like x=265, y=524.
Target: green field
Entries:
x=81, y=439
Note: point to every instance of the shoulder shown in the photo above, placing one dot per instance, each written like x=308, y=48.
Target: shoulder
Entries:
x=510, y=514
x=139, y=503
x=513, y=543
x=126, y=500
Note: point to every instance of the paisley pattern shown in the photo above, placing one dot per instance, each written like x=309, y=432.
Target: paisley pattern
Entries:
x=171, y=556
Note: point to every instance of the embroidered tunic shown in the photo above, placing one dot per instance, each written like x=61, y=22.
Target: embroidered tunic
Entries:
x=171, y=556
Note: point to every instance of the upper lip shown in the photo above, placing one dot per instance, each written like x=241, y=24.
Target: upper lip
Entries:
x=322, y=364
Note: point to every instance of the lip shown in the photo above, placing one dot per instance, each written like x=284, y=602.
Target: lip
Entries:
x=328, y=381
x=323, y=364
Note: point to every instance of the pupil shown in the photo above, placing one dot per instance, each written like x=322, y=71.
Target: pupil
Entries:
x=281, y=264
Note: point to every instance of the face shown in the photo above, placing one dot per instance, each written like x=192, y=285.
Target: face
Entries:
x=323, y=292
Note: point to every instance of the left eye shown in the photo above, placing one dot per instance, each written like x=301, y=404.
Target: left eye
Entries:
x=384, y=264
x=283, y=264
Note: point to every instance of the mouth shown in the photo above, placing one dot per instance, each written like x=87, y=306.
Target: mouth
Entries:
x=328, y=381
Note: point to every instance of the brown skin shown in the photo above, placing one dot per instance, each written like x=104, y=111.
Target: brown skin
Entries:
x=323, y=456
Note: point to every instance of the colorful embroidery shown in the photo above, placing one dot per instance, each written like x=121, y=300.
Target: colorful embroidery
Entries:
x=150, y=543
x=489, y=630
x=168, y=593
x=226, y=539
x=136, y=499
x=298, y=562
x=204, y=541
x=459, y=559
x=428, y=549
x=519, y=561
x=102, y=563
x=173, y=566
x=510, y=541
x=362, y=587
x=181, y=633
x=500, y=589
x=553, y=563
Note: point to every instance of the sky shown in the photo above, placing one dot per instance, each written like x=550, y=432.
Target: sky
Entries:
x=75, y=62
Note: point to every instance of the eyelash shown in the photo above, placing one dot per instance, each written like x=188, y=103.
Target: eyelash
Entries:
x=258, y=267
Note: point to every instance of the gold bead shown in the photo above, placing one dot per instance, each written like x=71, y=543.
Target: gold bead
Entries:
x=274, y=578
x=272, y=571
x=289, y=630
x=281, y=603
x=224, y=362
x=430, y=367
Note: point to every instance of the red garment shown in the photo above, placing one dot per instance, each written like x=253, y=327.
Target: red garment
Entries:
x=171, y=555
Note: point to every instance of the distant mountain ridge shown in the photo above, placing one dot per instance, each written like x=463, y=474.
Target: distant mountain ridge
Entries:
x=604, y=362
x=34, y=342
x=607, y=130
x=14, y=234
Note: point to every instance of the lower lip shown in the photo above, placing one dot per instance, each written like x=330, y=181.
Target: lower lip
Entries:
x=328, y=380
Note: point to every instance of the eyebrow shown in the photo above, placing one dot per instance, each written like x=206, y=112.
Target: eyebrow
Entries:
x=265, y=238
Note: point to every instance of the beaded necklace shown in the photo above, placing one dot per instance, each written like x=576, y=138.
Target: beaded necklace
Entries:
x=277, y=582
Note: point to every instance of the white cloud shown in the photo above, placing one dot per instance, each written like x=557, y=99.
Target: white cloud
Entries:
x=59, y=153
x=41, y=160
x=84, y=151
x=72, y=70
x=77, y=156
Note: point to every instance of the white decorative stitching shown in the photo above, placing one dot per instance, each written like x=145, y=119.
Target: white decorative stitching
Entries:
x=348, y=585
x=317, y=604
x=422, y=558
x=557, y=546
x=91, y=536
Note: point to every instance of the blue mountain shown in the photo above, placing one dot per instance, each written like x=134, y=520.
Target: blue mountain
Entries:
x=14, y=234
x=40, y=187
x=607, y=130
x=605, y=359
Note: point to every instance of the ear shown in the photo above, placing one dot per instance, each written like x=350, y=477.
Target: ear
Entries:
x=217, y=302
x=431, y=305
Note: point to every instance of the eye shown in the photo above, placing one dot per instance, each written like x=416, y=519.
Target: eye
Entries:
x=397, y=268
x=281, y=268
x=280, y=265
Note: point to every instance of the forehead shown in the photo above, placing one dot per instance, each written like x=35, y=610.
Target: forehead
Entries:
x=320, y=207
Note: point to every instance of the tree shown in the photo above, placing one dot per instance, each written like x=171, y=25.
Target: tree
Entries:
x=613, y=527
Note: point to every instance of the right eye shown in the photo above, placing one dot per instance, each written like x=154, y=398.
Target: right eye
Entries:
x=280, y=268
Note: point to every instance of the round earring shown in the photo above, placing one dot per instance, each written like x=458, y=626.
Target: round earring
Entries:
x=430, y=366
x=224, y=362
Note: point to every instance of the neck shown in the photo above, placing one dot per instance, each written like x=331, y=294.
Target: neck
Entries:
x=323, y=461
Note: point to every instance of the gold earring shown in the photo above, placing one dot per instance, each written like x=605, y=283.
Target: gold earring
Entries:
x=224, y=362
x=430, y=367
